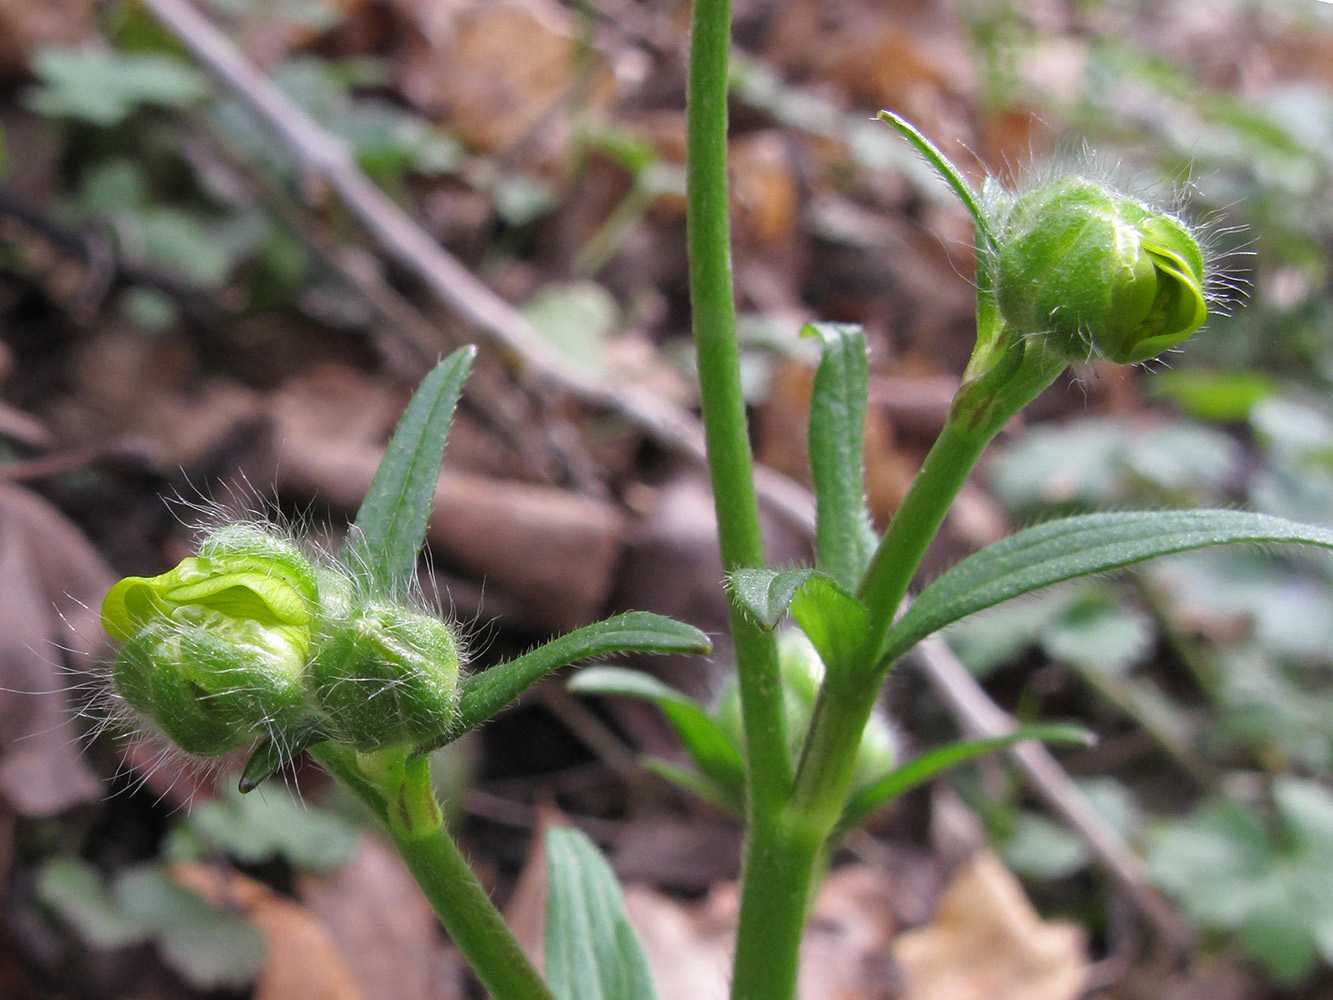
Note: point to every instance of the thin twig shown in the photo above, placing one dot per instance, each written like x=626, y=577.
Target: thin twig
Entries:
x=324, y=156
x=981, y=717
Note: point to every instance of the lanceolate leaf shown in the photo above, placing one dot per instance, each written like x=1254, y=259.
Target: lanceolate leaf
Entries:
x=391, y=524
x=592, y=951
x=486, y=693
x=921, y=769
x=844, y=540
x=1079, y=546
x=716, y=757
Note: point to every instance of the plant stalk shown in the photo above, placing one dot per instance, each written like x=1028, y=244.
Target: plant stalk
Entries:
x=411, y=817
x=712, y=301
x=775, y=879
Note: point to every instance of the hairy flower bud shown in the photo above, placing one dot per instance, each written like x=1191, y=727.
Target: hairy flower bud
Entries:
x=215, y=649
x=386, y=676
x=1098, y=274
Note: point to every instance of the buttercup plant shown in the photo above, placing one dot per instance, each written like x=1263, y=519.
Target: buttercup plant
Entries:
x=256, y=643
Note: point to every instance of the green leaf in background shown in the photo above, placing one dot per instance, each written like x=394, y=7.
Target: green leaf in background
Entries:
x=577, y=317
x=74, y=889
x=104, y=87
x=211, y=948
x=256, y=828
x=592, y=950
x=1224, y=396
x=1268, y=880
x=717, y=758
x=844, y=539
x=1101, y=461
x=488, y=692
x=1040, y=847
x=391, y=524
x=1079, y=546
x=923, y=768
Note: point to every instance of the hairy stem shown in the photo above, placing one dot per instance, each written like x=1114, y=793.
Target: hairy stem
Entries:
x=712, y=301
x=777, y=867
x=401, y=798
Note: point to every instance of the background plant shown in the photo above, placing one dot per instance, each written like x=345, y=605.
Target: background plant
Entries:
x=1265, y=165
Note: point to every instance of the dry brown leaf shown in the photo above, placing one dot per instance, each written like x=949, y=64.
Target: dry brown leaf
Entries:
x=986, y=942
x=378, y=917
x=765, y=188
x=688, y=946
x=54, y=584
x=302, y=961
x=495, y=70
x=845, y=954
x=554, y=551
x=26, y=25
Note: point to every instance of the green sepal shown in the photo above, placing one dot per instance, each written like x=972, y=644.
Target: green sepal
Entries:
x=271, y=755
x=386, y=676
x=1098, y=274
x=149, y=674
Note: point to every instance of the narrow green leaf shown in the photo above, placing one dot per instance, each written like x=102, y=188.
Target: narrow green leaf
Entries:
x=921, y=769
x=592, y=950
x=391, y=524
x=948, y=172
x=766, y=594
x=844, y=539
x=730, y=800
x=713, y=753
x=1080, y=546
x=488, y=692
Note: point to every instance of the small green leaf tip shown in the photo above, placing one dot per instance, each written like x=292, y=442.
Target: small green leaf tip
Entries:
x=1098, y=274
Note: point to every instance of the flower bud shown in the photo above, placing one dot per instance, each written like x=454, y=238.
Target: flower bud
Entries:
x=215, y=649
x=386, y=676
x=1098, y=274
x=802, y=673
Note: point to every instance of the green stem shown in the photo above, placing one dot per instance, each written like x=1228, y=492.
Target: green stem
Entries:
x=983, y=405
x=712, y=301
x=1016, y=374
x=471, y=919
x=400, y=796
x=780, y=863
x=775, y=880
x=916, y=523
